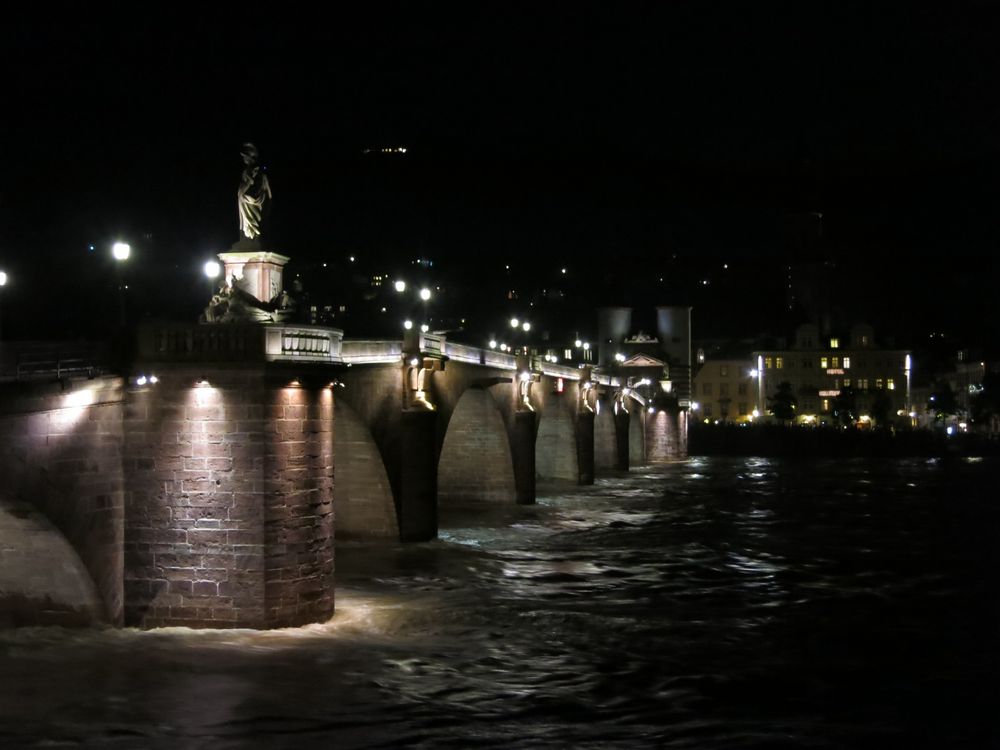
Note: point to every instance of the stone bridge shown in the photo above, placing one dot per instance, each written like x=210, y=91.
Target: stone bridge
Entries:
x=208, y=485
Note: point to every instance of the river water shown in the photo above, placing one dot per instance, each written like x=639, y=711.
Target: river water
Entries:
x=714, y=603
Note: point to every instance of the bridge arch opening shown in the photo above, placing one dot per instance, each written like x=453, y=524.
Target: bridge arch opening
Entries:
x=363, y=504
x=555, y=445
x=475, y=463
x=43, y=581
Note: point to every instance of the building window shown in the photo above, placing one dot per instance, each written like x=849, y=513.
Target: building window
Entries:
x=708, y=410
x=834, y=343
x=768, y=363
x=706, y=389
x=701, y=356
x=847, y=363
x=826, y=404
x=863, y=384
x=568, y=354
x=723, y=389
x=724, y=370
x=741, y=389
x=864, y=341
x=807, y=363
x=847, y=382
x=890, y=384
x=779, y=362
x=835, y=362
x=878, y=383
x=823, y=363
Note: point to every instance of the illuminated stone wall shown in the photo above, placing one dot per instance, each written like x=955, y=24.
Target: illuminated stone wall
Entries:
x=475, y=463
x=61, y=453
x=605, y=438
x=666, y=436
x=228, y=511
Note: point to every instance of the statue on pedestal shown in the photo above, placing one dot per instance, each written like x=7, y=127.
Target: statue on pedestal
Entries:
x=253, y=195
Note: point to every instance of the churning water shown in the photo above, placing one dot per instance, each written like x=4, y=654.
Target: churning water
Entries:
x=715, y=603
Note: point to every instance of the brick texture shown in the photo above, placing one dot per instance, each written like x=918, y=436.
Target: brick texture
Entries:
x=475, y=463
x=362, y=497
x=60, y=451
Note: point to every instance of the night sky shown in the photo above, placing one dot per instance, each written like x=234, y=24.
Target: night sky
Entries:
x=605, y=140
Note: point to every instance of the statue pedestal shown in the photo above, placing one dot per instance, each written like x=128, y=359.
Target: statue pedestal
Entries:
x=256, y=271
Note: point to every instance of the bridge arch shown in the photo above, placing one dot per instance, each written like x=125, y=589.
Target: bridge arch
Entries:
x=43, y=581
x=362, y=496
x=475, y=462
x=556, y=441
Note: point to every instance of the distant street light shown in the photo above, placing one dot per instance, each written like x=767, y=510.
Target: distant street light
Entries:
x=400, y=286
x=526, y=326
x=514, y=322
x=3, y=283
x=212, y=270
x=425, y=294
x=120, y=251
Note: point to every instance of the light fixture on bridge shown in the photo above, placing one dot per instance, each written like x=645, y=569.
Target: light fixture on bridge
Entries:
x=526, y=326
x=121, y=250
x=651, y=410
x=586, y=346
x=202, y=383
x=578, y=343
x=695, y=406
x=619, y=357
x=407, y=324
x=414, y=362
x=425, y=294
x=294, y=383
x=425, y=328
x=514, y=322
x=493, y=343
x=141, y=380
x=503, y=347
x=212, y=269
x=525, y=376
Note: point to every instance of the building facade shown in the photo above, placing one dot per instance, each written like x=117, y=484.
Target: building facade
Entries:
x=725, y=391
x=827, y=372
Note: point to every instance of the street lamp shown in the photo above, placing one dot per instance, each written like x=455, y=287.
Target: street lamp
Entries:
x=120, y=251
x=3, y=283
x=212, y=270
x=400, y=286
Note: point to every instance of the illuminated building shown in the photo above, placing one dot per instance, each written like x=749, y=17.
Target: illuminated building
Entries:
x=820, y=368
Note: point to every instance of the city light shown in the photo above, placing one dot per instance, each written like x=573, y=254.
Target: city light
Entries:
x=212, y=269
x=425, y=328
x=586, y=346
x=526, y=326
x=3, y=278
x=753, y=373
x=121, y=250
x=425, y=294
x=407, y=324
x=514, y=322
x=400, y=286
x=620, y=357
x=695, y=406
x=493, y=343
x=578, y=343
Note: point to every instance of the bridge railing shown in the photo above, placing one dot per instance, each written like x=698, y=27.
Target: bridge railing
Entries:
x=43, y=360
x=371, y=351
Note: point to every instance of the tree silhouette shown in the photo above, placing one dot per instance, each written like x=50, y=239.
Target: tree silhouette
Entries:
x=844, y=408
x=783, y=402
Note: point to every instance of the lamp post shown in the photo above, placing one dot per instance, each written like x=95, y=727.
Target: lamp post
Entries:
x=3, y=283
x=212, y=270
x=121, y=251
x=425, y=295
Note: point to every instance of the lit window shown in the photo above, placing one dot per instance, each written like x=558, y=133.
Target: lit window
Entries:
x=890, y=384
x=863, y=384
x=779, y=362
x=823, y=363
x=826, y=404
x=768, y=363
x=834, y=343
x=847, y=382
x=835, y=362
x=567, y=354
x=847, y=363
x=864, y=341
x=588, y=355
x=878, y=383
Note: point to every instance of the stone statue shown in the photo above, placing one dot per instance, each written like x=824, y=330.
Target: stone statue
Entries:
x=253, y=195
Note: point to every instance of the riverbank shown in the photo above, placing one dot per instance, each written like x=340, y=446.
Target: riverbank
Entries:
x=779, y=440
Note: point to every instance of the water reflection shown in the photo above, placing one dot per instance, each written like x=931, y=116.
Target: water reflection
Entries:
x=721, y=603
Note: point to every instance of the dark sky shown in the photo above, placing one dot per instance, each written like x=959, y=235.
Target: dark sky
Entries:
x=627, y=129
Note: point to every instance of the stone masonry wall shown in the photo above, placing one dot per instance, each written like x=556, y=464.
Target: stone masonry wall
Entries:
x=60, y=452
x=205, y=502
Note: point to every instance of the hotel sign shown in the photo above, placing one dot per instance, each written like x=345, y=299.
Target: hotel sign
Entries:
x=829, y=394
x=836, y=371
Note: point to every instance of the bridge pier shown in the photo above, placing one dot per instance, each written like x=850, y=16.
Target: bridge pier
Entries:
x=622, y=419
x=522, y=448
x=418, y=479
x=585, y=447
